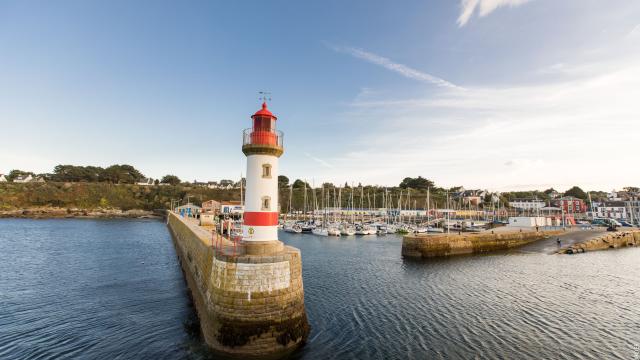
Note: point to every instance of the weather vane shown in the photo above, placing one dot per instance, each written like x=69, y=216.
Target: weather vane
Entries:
x=264, y=96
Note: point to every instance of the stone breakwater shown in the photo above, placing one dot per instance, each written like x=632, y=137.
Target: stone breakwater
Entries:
x=612, y=240
x=248, y=305
x=427, y=246
x=56, y=212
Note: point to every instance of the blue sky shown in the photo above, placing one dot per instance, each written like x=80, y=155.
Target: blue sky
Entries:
x=497, y=94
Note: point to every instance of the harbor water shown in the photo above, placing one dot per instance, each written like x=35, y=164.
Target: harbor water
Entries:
x=105, y=289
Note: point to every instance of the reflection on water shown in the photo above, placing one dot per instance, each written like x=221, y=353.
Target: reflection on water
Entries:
x=113, y=288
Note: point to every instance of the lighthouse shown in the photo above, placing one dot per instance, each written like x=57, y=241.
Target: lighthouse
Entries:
x=262, y=144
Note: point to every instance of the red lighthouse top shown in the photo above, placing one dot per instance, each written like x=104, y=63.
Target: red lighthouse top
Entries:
x=264, y=112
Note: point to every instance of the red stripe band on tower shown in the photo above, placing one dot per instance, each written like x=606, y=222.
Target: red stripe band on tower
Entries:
x=258, y=218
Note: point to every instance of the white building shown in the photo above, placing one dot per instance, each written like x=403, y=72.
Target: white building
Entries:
x=527, y=204
x=23, y=179
x=145, y=182
x=3, y=178
x=529, y=221
x=613, y=196
x=610, y=210
x=231, y=207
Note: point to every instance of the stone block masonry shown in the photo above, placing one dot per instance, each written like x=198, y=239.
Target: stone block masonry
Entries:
x=427, y=246
x=614, y=240
x=248, y=305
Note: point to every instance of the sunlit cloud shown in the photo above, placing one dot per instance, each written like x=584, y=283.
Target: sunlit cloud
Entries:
x=559, y=132
x=483, y=8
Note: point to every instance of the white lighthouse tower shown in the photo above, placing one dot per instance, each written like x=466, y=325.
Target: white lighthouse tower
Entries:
x=262, y=144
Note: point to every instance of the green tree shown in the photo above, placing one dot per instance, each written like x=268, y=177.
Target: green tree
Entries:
x=283, y=181
x=15, y=173
x=170, y=179
x=631, y=189
x=576, y=192
x=122, y=174
x=299, y=184
x=416, y=183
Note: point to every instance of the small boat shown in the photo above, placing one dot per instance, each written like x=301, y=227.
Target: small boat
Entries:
x=421, y=230
x=365, y=230
x=347, y=230
x=307, y=228
x=296, y=229
x=320, y=232
x=432, y=229
x=333, y=231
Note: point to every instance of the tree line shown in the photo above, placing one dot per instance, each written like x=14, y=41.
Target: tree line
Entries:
x=114, y=174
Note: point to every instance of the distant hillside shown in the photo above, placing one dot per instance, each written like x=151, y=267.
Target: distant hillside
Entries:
x=104, y=195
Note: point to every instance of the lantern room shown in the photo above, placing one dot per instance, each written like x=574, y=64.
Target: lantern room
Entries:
x=263, y=138
x=264, y=120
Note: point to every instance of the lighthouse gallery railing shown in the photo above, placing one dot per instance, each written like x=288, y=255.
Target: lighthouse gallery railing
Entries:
x=266, y=137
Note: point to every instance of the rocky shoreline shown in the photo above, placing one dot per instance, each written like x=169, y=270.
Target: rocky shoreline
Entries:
x=99, y=213
x=615, y=240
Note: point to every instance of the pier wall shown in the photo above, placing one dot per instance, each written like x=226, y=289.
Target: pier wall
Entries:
x=248, y=305
x=612, y=240
x=426, y=246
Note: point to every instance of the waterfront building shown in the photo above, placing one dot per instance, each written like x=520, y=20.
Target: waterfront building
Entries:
x=611, y=210
x=527, y=204
x=571, y=205
x=190, y=210
x=3, y=178
x=231, y=207
x=211, y=207
x=634, y=211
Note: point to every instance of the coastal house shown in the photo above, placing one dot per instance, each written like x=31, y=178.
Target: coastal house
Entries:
x=211, y=206
x=571, y=204
x=231, y=207
x=3, y=178
x=212, y=185
x=23, y=179
x=527, y=204
x=611, y=210
x=226, y=184
x=189, y=210
x=145, y=182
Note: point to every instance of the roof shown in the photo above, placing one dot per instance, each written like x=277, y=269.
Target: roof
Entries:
x=264, y=112
x=613, y=204
x=230, y=203
x=188, y=206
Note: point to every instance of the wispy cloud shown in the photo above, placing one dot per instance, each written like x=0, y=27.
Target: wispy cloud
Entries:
x=401, y=69
x=501, y=136
x=319, y=161
x=634, y=33
x=483, y=7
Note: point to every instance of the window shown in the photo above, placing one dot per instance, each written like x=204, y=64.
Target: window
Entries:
x=266, y=171
x=266, y=203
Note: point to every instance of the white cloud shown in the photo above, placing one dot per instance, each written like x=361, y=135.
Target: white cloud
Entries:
x=484, y=8
x=579, y=129
x=396, y=67
x=634, y=33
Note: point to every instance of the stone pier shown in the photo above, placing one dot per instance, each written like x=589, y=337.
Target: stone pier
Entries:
x=613, y=240
x=427, y=246
x=250, y=300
